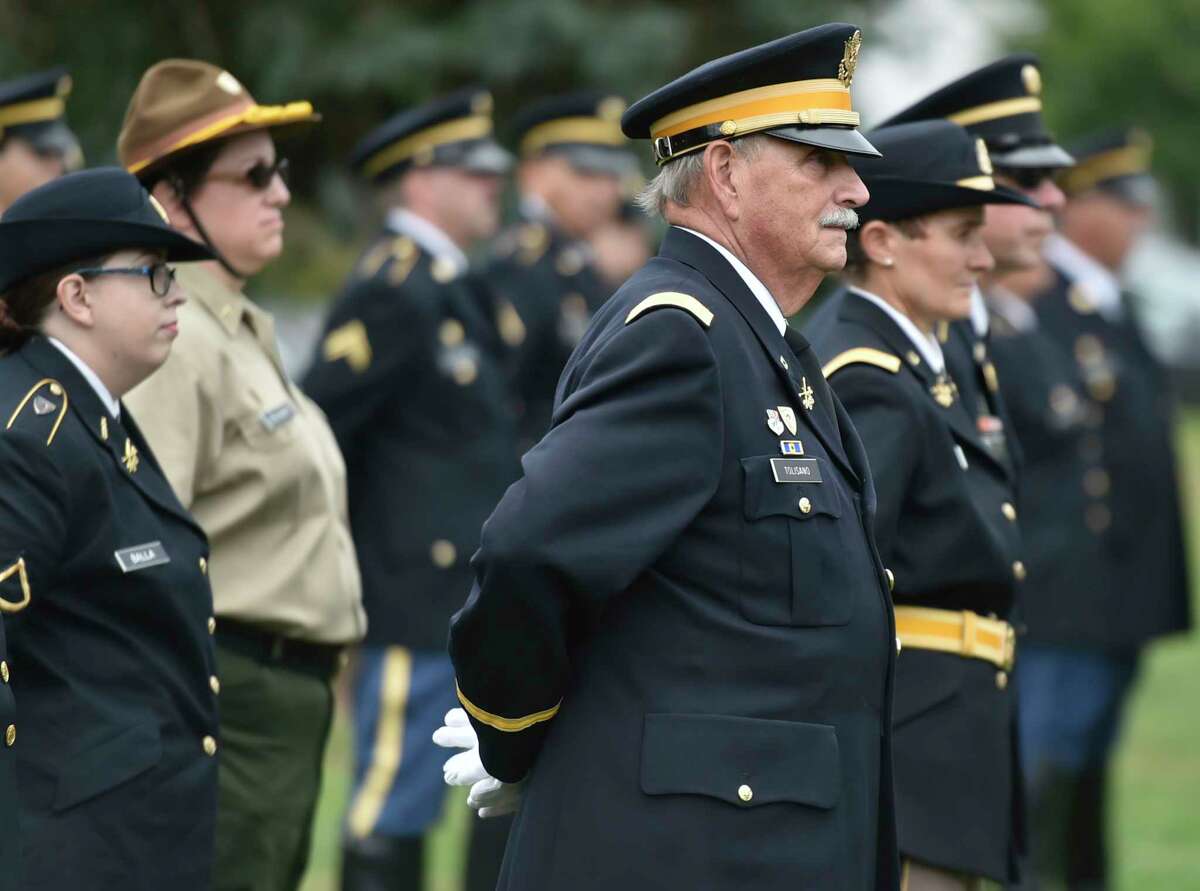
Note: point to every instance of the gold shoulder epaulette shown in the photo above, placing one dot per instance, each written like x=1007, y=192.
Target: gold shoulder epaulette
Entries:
x=862, y=356
x=47, y=397
x=672, y=298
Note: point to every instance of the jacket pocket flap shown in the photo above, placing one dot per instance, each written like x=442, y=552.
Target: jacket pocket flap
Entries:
x=766, y=495
x=102, y=766
x=743, y=761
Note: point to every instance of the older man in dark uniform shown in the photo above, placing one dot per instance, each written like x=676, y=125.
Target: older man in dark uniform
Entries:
x=36, y=145
x=680, y=635
x=411, y=373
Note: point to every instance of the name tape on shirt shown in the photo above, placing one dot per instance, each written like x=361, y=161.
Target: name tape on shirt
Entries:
x=796, y=470
x=142, y=556
x=274, y=418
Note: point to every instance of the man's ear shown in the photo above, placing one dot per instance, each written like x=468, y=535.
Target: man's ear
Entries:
x=73, y=299
x=719, y=170
x=878, y=241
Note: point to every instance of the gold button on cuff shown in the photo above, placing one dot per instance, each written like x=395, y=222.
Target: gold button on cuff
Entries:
x=1001, y=680
x=4, y=672
x=203, y=566
x=1019, y=571
x=443, y=553
x=10, y=735
x=745, y=793
x=891, y=579
x=805, y=506
x=1010, y=512
x=210, y=746
x=214, y=684
x=212, y=625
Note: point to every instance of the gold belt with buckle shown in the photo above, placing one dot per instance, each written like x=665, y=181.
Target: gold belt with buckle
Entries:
x=961, y=632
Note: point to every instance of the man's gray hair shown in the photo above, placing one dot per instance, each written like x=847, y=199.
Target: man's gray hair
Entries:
x=677, y=178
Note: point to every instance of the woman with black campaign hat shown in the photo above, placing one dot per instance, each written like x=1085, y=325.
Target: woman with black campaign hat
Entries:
x=945, y=524
x=102, y=571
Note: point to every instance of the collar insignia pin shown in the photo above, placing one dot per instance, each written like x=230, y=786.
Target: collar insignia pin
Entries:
x=131, y=459
x=773, y=422
x=788, y=415
x=806, y=395
x=42, y=405
x=943, y=391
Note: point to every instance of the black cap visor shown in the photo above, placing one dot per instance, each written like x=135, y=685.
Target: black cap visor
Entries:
x=1042, y=155
x=893, y=198
x=846, y=140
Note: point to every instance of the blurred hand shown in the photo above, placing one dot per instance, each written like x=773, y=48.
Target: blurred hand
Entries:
x=488, y=796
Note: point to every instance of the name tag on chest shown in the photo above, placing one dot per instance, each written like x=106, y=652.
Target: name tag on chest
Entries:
x=796, y=470
x=274, y=418
x=142, y=556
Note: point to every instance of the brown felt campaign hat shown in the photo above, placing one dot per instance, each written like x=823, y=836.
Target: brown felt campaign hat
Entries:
x=183, y=103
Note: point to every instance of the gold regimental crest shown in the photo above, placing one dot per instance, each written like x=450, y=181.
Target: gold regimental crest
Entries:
x=849, y=58
x=943, y=391
x=806, y=392
x=985, y=160
x=131, y=459
x=1032, y=79
x=610, y=108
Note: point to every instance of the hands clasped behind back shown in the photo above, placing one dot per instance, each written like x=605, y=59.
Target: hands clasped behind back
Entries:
x=488, y=796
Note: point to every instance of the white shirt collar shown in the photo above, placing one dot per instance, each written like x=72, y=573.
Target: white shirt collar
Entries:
x=110, y=402
x=979, y=313
x=1012, y=309
x=429, y=237
x=757, y=288
x=927, y=344
x=1101, y=286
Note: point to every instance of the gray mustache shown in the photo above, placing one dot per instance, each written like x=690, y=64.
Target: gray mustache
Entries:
x=842, y=218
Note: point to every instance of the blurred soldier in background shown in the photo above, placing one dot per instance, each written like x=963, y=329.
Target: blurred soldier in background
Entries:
x=1086, y=632
x=36, y=145
x=411, y=374
x=573, y=159
x=254, y=461
x=622, y=245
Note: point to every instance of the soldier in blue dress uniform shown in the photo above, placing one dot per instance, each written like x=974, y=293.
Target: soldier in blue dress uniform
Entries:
x=103, y=574
x=36, y=145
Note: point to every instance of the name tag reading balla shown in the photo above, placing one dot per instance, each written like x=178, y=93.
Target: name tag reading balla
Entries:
x=142, y=556
x=796, y=470
x=274, y=418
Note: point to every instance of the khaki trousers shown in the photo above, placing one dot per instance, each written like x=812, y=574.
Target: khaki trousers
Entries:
x=916, y=876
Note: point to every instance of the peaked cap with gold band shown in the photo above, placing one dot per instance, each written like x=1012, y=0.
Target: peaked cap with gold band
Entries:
x=928, y=166
x=181, y=104
x=85, y=214
x=584, y=127
x=795, y=88
x=32, y=108
x=1116, y=162
x=452, y=131
x=1001, y=102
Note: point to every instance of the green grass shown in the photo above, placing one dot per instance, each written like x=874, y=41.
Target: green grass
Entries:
x=1157, y=818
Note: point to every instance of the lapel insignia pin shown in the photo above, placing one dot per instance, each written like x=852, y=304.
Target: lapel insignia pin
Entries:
x=773, y=422
x=788, y=416
x=104, y=428
x=131, y=459
x=791, y=447
x=42, y=405
x=806, y=395
x=943, y=391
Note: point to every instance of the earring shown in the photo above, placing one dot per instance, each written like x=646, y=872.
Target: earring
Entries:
x=888, y=262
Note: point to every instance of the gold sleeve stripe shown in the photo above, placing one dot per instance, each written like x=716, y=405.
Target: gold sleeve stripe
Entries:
x=672, y=298
x=17, y=569
x=505, y=725
x=862, y=356
x=56, y=389
x=349, y=342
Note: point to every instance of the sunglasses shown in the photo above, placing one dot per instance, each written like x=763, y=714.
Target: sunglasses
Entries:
x=161, y=275
x=259, y=177
x=1026, y=178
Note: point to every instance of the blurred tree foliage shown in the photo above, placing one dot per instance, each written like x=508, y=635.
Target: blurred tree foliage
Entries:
x=1112, y=63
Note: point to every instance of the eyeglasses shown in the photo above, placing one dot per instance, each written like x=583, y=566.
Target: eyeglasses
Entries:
x=161, y=275
x=1026, y=178
x=259, y=177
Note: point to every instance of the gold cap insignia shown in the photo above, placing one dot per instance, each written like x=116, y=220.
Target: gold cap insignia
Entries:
x=482, y=103
x=849, y=58
x=611, y=108
x=64, y=85
x=985, y=160
x=229, y=83
x=1032, y=78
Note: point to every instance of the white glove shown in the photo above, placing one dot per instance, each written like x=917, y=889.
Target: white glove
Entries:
x=488, y=796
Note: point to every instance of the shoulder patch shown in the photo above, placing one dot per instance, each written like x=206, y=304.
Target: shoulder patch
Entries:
x=672, y=298
x=861, y=356
x=349, y=342
x=46, y=399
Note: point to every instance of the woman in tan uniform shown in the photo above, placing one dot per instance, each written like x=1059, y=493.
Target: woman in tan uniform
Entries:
x=252, y=458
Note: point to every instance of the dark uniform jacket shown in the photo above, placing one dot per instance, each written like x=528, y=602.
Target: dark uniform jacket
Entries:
x=945, y=527
x=111, y=659
x=969, y=363
x=689, y=655
x=1138, y=483
x=551, y=280
x=411, y=377
x=10, y=834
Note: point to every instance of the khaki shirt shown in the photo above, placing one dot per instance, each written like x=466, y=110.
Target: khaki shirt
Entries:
x=256, y=463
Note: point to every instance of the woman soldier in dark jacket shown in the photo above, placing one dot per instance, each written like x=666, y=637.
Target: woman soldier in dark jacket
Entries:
x=102, y=573
x=945, y=524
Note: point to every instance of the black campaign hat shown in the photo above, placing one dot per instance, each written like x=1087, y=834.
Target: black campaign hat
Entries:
x=452, y=131
x=81, y=215
x=1001, y=102
x=1115, y=161
x=584, y=127
x=928, y=166
x=32, y=108
x=796, y=88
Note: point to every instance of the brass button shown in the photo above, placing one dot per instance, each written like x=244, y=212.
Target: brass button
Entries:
x=1019, y=570
x=451, y=333
x=203, y=566
x=745, y=793
x=899, y=646
x=805, y=506
x=4, y=672
x=891, y=579
x=1096, y=482
x=1010, y=512
x=1001, y=679
x=10, y=735
x=443, y=553
x=210, y=746
x=214, y=684
x=212, y=625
